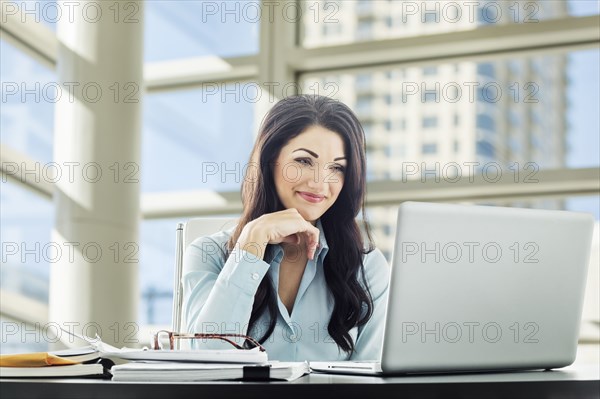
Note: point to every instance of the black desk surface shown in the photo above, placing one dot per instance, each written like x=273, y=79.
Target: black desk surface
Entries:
x=577, y=381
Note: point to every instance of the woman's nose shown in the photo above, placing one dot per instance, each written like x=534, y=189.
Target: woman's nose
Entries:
x=317, y=180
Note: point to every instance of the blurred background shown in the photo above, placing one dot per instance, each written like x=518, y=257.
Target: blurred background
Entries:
x=484, y=102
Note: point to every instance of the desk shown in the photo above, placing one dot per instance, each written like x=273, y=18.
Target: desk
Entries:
x=581, y=381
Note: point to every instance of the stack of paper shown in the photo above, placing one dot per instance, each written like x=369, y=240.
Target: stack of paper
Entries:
x=150, y=365
x=201, y=355
x=105, y=350
x=176, y=372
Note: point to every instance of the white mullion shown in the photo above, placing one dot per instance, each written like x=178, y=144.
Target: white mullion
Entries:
x=15, y=167
x=557, y=183
x=197, y=71
x=21, y=308
x=553, y=183
x=33, y=38
x=504, y=40
x=277, y=41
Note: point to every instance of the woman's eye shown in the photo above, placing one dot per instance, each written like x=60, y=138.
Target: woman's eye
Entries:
x=338, y=168
x=304, y=161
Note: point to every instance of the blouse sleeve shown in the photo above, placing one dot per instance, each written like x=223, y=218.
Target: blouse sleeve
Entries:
x=370, y=336
x=219, y=294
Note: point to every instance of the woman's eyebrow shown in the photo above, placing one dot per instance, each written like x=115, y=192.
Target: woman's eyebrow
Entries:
x=314, y=154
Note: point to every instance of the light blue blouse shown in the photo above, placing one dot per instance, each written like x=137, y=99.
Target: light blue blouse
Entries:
x=219, y=294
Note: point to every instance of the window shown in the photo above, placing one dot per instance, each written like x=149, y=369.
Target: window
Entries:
x=431, y=96
x=364, y=81
x=486, y=149
x=199, y=27
x=364, y=7
x=363, y=104
x=24, y=342
x=29, y=92
x=485, y=121
x=389, y=21
x=430, y=17
x=26, y=222
x=514, y=118
x=156, y=283
x=577, y=124
x=364, y=30
x=387, y=229
x=486, y=69
x=439, y=17
x=187, y=126
x=486, y=17
x=368, y=129
x=429, y=149
x=429, y=70
x=429, y=122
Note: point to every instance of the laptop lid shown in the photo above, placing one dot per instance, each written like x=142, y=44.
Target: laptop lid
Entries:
x=477, y=288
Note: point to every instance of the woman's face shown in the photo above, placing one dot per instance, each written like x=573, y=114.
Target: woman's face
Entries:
x=309, y=172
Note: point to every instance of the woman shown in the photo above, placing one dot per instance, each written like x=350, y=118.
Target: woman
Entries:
x=295, y=273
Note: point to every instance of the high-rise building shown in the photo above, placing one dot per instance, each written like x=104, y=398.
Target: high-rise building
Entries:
x=433, y=117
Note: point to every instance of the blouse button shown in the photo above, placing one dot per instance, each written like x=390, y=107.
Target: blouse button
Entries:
x=255, y=276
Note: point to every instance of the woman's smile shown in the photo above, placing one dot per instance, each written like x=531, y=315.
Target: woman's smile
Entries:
x=313, y=198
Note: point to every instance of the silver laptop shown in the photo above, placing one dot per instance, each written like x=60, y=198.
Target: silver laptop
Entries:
x=481, y=288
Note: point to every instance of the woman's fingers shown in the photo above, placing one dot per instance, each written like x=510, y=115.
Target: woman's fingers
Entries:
x=312, y=249
x=312, y=241
x=288, y=226
x=291, y=239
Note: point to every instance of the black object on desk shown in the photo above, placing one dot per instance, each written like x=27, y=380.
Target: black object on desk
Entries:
x=257, y=373
x=572, y=382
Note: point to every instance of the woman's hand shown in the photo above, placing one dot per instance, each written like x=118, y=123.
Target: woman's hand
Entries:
x=286, y=226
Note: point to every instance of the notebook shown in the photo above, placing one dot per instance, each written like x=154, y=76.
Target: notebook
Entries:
x=182, y=372
x=74, y=370
x=55, y=364
x=481, y=288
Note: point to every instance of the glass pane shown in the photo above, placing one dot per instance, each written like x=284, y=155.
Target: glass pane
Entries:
x=47, y=12
x=326, y=22
x=29, y=92
x=521, y=114
x=181, y=29
x=20, y=338
x=157, y=265
x=198, y=139
x=157, y=269
x=583, y=91
x=26, y=221
x=582, y=8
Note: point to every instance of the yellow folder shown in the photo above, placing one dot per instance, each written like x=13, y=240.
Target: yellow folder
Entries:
x=37, y=359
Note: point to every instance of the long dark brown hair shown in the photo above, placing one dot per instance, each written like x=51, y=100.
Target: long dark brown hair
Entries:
x=343, y=264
